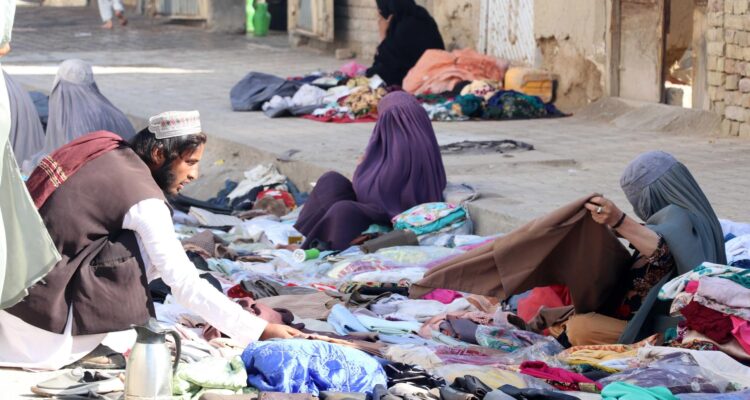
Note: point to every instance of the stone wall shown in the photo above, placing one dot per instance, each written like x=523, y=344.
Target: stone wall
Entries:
x=728, y=48
x=571, y=37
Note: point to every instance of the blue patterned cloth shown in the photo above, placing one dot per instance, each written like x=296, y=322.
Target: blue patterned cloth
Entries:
x=310, y=366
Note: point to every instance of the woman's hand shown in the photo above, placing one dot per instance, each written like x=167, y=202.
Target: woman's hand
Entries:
x=603, y=210
x=277, y=331
x=383, y=24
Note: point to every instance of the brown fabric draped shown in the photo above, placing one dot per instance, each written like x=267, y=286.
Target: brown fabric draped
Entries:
x=565, y=247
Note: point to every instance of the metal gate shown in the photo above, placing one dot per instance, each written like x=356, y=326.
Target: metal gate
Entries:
x=183, y=9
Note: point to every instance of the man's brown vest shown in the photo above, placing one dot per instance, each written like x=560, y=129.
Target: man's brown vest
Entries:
x=101, y=274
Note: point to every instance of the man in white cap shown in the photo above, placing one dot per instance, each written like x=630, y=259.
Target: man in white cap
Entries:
x=102, y=201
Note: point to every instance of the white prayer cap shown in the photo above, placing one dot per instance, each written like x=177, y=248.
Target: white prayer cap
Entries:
x=175, y=123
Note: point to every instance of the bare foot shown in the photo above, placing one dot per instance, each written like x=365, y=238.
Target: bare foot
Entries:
x=121, y=18
x=107, y=25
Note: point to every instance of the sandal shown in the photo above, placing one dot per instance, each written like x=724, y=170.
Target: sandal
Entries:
x=102, y=357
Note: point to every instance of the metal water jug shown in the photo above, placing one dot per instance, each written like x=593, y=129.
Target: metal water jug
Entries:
x=150, y=369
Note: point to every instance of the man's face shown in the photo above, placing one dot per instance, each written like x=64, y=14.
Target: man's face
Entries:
x=173, y=177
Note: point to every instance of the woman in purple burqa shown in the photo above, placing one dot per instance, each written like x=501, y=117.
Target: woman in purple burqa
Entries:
x=401, y=168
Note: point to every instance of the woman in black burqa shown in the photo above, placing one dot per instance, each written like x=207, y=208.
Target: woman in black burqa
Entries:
x=407, y=31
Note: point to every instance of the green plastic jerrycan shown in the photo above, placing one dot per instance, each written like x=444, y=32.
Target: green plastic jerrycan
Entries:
x=261, y=20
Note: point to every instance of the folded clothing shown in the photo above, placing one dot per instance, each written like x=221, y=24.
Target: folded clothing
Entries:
x=310, y=366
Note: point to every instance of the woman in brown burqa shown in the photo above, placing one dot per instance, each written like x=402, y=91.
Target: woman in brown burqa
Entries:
x=613, y=292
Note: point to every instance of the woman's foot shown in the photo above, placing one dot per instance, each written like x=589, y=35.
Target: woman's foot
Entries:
x=107, y=25
x=121, y=18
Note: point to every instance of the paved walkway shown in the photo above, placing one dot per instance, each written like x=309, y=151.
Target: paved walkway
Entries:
x=152, y=66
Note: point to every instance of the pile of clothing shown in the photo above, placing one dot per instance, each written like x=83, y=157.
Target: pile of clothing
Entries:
x=456, y=86
x=341, y=96
x=714, y=301
x=366, y=338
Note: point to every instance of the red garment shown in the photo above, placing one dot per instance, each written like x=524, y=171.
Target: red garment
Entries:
x=280, y=195
x=340, y=120
x=557, y=377
x=546, y=296
x=715, y=325
x=238, y=292
x=59, y=166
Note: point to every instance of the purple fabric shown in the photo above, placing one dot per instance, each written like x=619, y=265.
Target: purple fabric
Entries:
x=402, y=168
x=332, y=216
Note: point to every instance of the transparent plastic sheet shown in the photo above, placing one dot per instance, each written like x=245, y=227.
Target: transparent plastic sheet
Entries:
x=389, y=259
x=679, y=372
x=478, y=355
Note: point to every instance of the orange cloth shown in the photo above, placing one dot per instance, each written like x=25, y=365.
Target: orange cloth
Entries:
x=439, y=71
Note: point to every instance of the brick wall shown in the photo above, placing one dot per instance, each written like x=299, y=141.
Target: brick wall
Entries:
x=728, y=48
x=356, y=27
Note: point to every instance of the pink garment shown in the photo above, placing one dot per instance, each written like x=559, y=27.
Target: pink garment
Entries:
x=557, y=377
x=741, y=332
x=692, y=287
x=444, y=296
x=438, y=71
x=724, y=291
x=353, y=68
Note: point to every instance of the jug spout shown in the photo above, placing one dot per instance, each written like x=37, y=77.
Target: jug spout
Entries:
x=150, y=333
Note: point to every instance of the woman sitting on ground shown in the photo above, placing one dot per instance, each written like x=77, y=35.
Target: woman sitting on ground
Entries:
x=400, y=168
x=681, y=232
x=406, y=32
x=77, y=107
x=608, y=287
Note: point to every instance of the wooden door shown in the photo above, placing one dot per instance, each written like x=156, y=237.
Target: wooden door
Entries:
x=641, y=26
x=312, y=18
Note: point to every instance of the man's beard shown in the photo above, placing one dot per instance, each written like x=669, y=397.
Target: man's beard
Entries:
x=165, y=178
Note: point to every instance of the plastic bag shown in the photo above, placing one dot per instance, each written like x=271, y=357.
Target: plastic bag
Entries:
x=679, y=372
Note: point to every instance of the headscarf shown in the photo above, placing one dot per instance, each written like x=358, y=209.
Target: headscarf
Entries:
x=26, y=131
x=54, y=169
x=77, y=107
x=665, y=195
x=411, y=32
x=402, y=166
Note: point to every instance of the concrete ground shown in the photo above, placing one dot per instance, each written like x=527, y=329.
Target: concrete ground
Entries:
x=153, y=66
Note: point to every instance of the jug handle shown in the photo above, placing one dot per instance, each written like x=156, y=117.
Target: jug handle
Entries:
x=178, y=346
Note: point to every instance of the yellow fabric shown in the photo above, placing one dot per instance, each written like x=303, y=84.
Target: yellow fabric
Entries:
x=593, y=328
x=531, y=82
x=492, y=376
